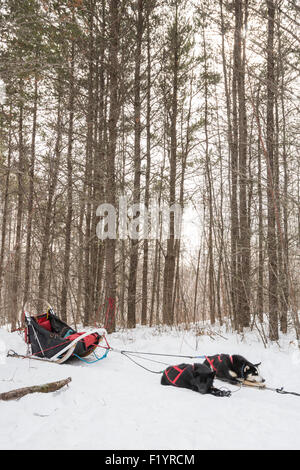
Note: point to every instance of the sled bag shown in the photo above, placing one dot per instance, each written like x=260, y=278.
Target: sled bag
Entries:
x=48, y=335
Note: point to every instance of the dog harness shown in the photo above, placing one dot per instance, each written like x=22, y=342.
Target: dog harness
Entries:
x=170, y=370
x=211, y=362
x=173, y=373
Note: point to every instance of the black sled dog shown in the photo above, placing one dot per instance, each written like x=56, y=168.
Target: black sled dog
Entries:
x=197, y=377
x=233, y=369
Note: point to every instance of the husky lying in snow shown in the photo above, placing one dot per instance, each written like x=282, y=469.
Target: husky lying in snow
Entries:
x=197, y=377
x=234, y=368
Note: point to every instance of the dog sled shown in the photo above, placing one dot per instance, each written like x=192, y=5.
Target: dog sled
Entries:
x=52, y=339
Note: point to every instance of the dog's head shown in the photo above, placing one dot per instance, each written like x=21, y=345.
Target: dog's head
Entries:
x=251, y=372
x=203, y=378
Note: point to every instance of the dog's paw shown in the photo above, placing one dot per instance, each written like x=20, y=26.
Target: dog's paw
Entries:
x=220, y=393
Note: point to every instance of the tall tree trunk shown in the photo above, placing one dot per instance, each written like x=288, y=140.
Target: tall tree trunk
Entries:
x=110, y=248
x=234, y=172
x=30, y=197
x=221, y=270
x=211, y=269
x=196, y=286
x=80, y=256
x=272, y=252
x=6, y=202
x=69, y=215
x=137, y=166
x=169, y=270
x=147, y=182
x=231, y=114
x=244, y=239
x=260, y=279
x=17, y=265
x=89, y=171
x=284, y=240
x=99, y=170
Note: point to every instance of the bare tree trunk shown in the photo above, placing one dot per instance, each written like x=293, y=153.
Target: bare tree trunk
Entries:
x=211, y=269
x=284, y=240
x=80, y=256
x=232, y=171
x=131, y=315
x=110, y=248
x=6, y=202
x=99, y=166
x=244, y=239
x=17, y=265
x=69, y=215
x=30, y=197
x=147, y=182
x=260, y=287
x=89, y=171
x=169, y=270
x=196, y=286
x=234, y=174
x=221, y=271
x=272, y=262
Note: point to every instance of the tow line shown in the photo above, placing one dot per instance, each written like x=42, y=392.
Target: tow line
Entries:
x=262, y=386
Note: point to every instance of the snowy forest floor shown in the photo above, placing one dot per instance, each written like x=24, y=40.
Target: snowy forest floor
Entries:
x=114, y=404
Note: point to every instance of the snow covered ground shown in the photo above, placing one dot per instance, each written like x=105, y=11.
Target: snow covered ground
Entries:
x=115, y=404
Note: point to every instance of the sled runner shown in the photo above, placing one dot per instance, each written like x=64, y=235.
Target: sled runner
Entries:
x=52, y=339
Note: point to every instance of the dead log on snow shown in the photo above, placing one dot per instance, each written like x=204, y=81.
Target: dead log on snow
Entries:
x=45, y=388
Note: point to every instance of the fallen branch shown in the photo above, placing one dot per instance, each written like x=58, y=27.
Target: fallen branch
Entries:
x=45, y=388
x=212, y=332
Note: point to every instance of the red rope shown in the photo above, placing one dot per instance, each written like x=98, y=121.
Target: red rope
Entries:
x=104, y=347
x=52, y=347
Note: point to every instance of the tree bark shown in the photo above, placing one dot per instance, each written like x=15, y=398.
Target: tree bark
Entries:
x=30, y=197
x=272, y=252
x=6, y=203
x=89, y=171
x=260, y=280
x=69, y=215
x=110, y=244
x=17, y=265
x=131, y=315
x=244, y=238
x=147, y=182
x=169, y=270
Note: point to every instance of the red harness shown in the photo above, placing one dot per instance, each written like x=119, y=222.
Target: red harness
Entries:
x=211, y=362
x=180, y=372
